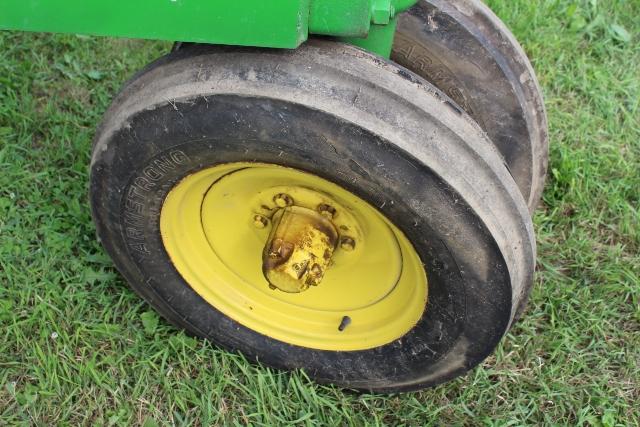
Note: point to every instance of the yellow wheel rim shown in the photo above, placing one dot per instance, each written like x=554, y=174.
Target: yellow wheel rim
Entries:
x=209, y=231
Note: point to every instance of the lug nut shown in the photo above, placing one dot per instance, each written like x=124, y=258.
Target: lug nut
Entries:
x=260, y=222
x=347, y=244
x=327, y=211
x=283, y=200
x=316, y=270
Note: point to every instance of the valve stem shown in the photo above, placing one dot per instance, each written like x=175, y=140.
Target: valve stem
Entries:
x=346, y=321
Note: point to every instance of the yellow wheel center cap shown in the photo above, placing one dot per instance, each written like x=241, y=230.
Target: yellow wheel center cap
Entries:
x=299, y=249
x=218, y=223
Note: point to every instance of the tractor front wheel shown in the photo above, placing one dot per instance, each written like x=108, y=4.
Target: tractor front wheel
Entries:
x=316, y=209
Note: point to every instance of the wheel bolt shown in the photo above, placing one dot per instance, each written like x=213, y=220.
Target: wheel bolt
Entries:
x=260, y=222
x=327, y=211
x=283, y=200
x=347, y=244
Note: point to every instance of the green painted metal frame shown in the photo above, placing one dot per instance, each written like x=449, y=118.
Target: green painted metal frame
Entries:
x=262, y=23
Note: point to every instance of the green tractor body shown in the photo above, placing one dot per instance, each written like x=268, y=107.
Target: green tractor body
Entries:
x=275, y=23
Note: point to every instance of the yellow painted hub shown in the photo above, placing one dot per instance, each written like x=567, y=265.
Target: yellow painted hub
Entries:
x=299, y=249
x=215, y=224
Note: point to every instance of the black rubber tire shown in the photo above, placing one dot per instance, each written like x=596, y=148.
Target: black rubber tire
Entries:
x=354, y=119
x=466, y=51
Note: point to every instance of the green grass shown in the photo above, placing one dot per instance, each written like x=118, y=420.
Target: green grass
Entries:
x=78, y=347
